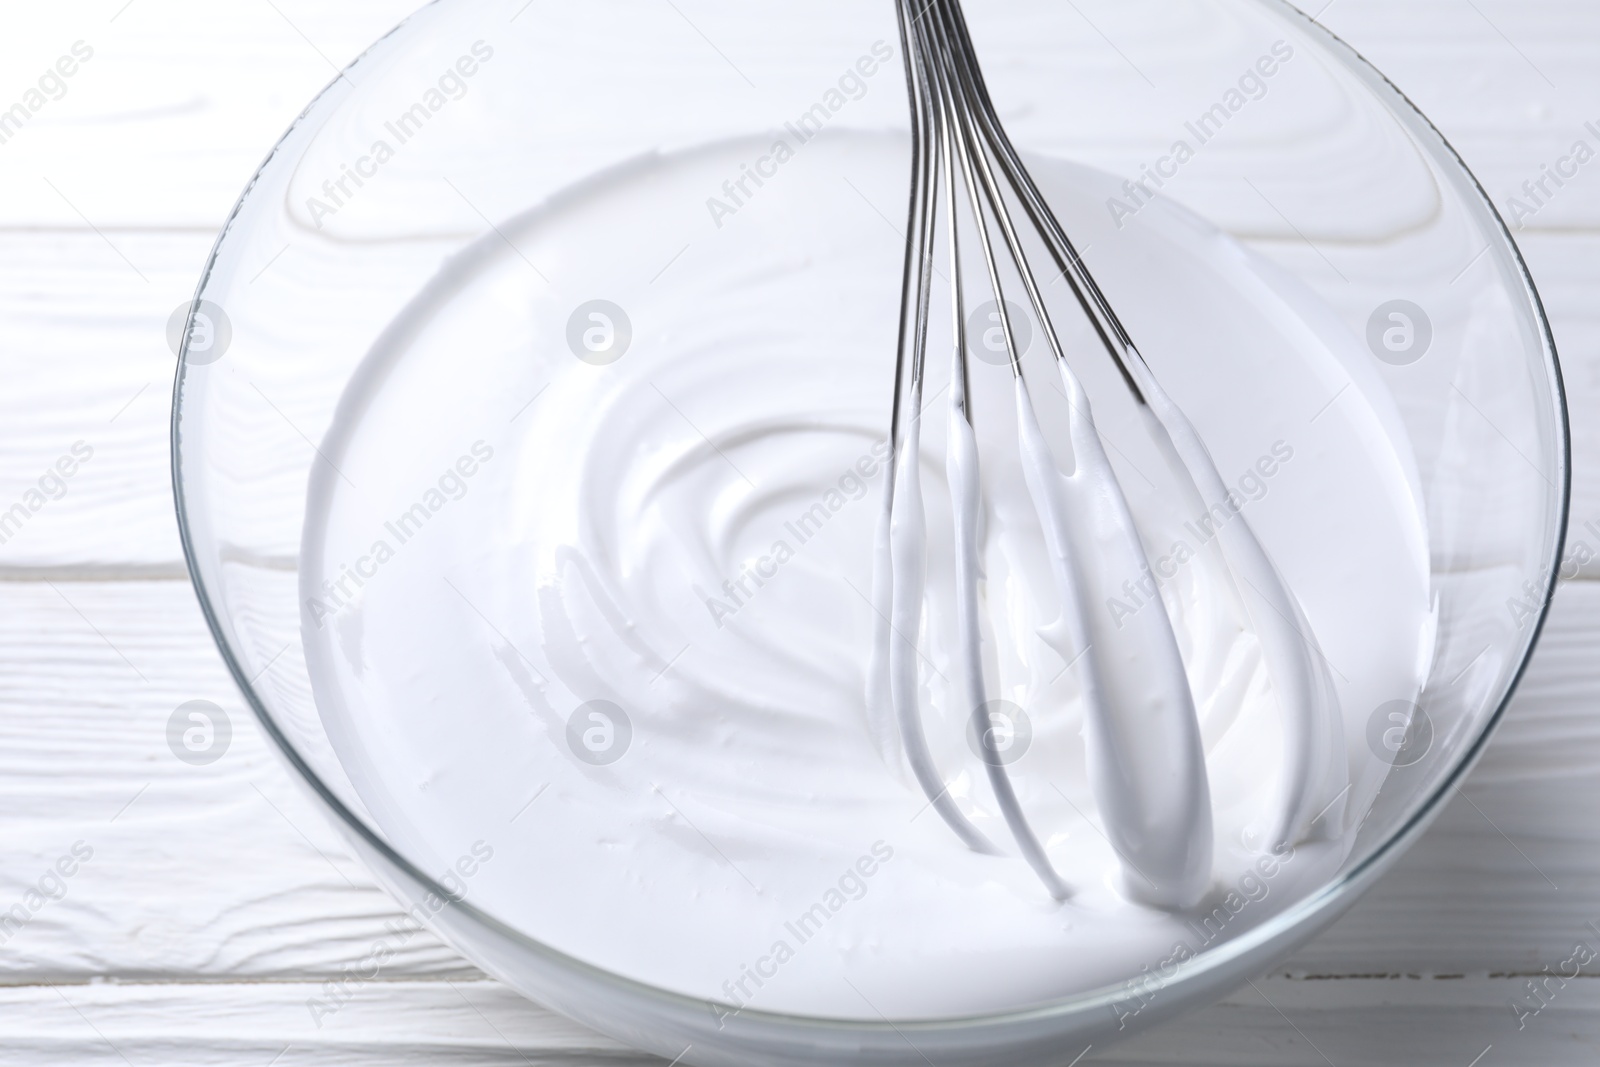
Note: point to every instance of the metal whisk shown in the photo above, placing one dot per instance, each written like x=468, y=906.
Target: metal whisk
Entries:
x=1146, y=761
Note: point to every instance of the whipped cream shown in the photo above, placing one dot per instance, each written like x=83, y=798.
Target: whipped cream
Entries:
x=616, y=617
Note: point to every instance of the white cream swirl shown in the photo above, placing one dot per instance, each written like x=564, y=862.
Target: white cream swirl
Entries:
x=688, y=534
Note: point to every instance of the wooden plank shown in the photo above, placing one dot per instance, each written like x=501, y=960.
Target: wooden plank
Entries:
x=228, y=871
x=85, y=359
x=83, y=313
x=178, y=105
x=225, y=869
x=1279, y=1022
x=394, y=1024
x=1377, y=1023
x=99, y=371
x=196, y=90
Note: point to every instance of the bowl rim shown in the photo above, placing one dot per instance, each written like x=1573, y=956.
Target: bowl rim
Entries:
x=1302, y=914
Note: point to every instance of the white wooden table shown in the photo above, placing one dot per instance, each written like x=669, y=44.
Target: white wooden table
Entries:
x=214, y=900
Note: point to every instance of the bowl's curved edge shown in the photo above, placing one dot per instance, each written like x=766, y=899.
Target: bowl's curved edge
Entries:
x=887, y=1041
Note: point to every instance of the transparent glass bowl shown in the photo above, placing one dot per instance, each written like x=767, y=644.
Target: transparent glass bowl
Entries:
x=489, y=110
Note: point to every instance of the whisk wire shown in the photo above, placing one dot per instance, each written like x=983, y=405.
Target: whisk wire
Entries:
x=944, y=96
x=1300, y=677
x=1146, y=760
x=903, y=547
x=952, y=131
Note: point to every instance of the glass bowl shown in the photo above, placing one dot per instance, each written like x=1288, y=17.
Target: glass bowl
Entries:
x=569, y=160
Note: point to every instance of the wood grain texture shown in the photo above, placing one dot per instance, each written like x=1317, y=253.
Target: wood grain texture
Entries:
x=216, y=898
x=1276, y=1022
x=229, y=872
x=84, y=299
x=399, y=1024
x=163, y=127
x=197, y=872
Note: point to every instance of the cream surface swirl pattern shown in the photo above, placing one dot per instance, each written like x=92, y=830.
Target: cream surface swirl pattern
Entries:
x=687, y=534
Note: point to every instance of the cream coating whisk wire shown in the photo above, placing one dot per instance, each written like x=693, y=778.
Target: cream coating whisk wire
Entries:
x=1147, y=764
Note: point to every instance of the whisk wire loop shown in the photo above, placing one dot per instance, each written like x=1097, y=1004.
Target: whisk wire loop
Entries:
x=1146, y=761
